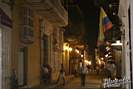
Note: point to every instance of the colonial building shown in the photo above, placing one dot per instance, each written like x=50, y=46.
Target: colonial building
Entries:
x=125, y=16
x=37, y=39
x=131, y=38
x=5, y=45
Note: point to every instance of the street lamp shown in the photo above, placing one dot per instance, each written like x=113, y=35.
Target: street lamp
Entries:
x=106, y=55
x=66, y=48
x=77, y=51
x=102, y=58
x=82, y=55
x=70, y=49
x=89, y=62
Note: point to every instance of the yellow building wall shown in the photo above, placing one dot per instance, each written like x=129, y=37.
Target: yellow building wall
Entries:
x=66, y=57
x=15, y=38
x=33, y=60
x=34, y=57
x=55, y=54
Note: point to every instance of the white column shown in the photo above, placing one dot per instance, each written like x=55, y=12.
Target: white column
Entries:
x=0, y=59
x=131, y=8
x=123, y=14
x=6, y=58
x=5, y=49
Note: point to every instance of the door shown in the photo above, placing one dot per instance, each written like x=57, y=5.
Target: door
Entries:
x=22, y=67
x=44, y=46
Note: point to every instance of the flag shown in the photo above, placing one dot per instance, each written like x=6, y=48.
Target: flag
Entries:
x=104, y=25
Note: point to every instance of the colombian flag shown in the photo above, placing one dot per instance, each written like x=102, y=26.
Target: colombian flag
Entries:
x=104, y=25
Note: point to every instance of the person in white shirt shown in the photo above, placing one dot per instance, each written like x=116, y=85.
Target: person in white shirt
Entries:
x=83, y=72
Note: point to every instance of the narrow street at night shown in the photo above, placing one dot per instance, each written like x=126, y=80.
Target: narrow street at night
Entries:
x=66, y=44
x=93, y=81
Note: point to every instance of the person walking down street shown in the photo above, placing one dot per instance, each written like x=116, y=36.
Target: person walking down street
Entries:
x=61, y=77
x=83, y=72
x=111, y=69
x=46, y=73
x=14, y=80
x=108, y=70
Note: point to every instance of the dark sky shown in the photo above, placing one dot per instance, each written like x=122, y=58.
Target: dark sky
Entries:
x=90, y=14
x=84, y=19
x=86, y=12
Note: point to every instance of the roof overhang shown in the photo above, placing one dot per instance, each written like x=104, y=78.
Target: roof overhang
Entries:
x=51, y=10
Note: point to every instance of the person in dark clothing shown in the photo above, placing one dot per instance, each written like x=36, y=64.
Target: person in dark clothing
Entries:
x=62, y=75
x=46, y=73
x=14, y=80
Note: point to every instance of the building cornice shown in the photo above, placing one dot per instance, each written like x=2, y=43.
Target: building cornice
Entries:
x=52, y=10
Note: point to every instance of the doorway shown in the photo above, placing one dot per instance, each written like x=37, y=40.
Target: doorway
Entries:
x=44, y=46
x=22, y=67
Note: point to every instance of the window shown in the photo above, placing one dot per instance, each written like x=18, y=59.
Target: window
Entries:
x=27, y=34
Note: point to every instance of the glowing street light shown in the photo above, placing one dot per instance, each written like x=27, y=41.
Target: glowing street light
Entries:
x=106, y=55
x=66, y=47
x=99, y=62
x=82, y=55
x=70, y=49
x=118, y=43
x=87, y=62
x=102, y=58
x=77, y=51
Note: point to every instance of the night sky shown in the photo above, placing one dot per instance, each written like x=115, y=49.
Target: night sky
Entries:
x=84, y=19
x=86, y=12
x=91, y=19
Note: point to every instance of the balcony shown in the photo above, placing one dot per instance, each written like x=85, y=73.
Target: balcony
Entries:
x=52, y=10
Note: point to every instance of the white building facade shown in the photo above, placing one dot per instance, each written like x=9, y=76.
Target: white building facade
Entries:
x=131, y=28
x=125, y=7
x=5, y=45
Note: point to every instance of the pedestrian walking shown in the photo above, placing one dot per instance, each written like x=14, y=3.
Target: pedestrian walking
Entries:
x=14, y=80
x=46, y=73
x=111, y=69
x=83, y=72
x=61, y=77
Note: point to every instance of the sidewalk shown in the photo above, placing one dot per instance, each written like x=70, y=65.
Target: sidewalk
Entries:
x=52, y=85
x=113, y=88
x=67, y=80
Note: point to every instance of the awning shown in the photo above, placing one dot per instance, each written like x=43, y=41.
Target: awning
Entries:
x=4, y=19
